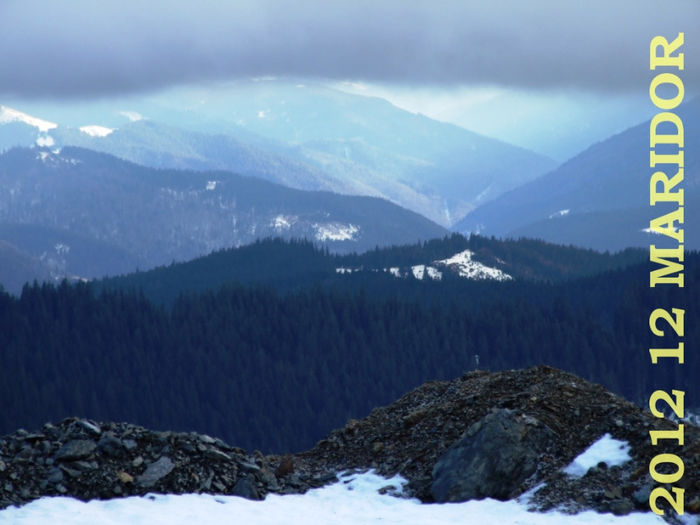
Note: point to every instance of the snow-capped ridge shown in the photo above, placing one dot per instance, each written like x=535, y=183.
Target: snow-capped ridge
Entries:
x=8, y=115
x=133, y=116
x=560, y=213
x=464, y=264
x=96, y=131
x=461, y=263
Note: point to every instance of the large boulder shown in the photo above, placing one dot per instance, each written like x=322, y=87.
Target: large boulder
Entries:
x=493, y=458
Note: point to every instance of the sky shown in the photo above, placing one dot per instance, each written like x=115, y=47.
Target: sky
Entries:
x=82, y=48
x=448, y=59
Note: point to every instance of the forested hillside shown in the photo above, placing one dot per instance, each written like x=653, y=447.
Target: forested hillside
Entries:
x=295, y=265
x=276, y=371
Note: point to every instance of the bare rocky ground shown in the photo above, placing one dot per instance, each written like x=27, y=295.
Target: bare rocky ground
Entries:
x=483, y=435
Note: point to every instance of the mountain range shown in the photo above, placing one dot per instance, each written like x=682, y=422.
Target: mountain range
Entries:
x=163, y=191
x=86, y=201
x=439, y=267
x=309, y=137
x=599, y=198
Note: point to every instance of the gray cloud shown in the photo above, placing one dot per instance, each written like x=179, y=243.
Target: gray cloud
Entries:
x=83, y=48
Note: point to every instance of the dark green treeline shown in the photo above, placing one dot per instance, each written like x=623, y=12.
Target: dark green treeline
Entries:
x=277, y=371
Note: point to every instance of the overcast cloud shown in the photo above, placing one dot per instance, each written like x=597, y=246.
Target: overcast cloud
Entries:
x=84, y=48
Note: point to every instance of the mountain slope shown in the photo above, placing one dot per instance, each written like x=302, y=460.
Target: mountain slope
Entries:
x=316, y=138
x=598, y=199
x=276, y=371
x=370, y=140
x=159, y=145
x=397, y=269
x=156, y=216
x=18, y=267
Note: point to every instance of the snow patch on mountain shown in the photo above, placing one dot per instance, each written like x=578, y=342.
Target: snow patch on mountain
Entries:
x=460, y=263
x=335, y=231
x=45, y=141
x=282, y=222
x=434, y=273
x=657, y=232
x=560, y=213
x=467, y=267
x=96, y=131
x=419, y=271
x=211, y=185
x=8, y=115
x=133, y=116
x=394, y=271
x=61, y=248
x=53, y=158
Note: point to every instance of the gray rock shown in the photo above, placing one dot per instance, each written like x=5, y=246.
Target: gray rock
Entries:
x=245, y=488
x=85, y=466
x=492, y=460
x=76, y=449
x=620, y=507
x=249, y=467
x=90, y=427
x=212, y=453
x=129, y=444
x=641, y=495
x=73, y=473
x=55, y=476
x=155, y=471
x=110, y=445
x=205, y=483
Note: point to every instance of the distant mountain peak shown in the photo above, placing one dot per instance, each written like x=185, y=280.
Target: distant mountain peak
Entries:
x=461, y=264
x=96, y=131
x=8, y=114
x=133, y=116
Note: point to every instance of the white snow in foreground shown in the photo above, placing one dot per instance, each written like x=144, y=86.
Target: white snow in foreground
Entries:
x=96, y=131
x=335, y=231
x=353, y=500
x=12, y=115
x=608, y=449
x=471, y=269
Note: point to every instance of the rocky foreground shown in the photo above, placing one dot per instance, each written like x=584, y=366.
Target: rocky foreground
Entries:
x=483, y=435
